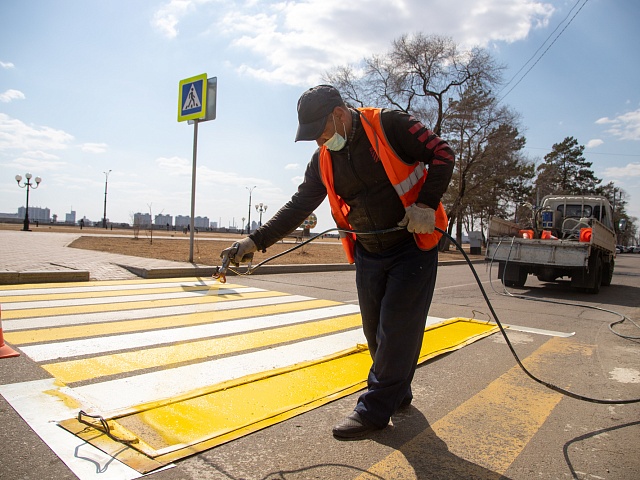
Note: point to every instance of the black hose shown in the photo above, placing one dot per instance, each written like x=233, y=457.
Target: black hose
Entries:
x=555, y=388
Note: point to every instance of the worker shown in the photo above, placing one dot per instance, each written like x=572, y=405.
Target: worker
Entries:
x=372, y=164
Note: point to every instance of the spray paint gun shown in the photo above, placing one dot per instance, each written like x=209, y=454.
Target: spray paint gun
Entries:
x=228, y=257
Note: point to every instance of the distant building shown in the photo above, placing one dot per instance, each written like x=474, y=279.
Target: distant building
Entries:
x=36, y=214
x=142, y=219
x=213, y=224
x=201, y=222
x=163, y=220
x=70, y=217
x=182, y=221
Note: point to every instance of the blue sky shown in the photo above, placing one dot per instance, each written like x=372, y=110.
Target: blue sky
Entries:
x=91, y=86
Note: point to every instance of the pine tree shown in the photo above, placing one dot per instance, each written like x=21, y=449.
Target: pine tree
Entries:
x=566, y=171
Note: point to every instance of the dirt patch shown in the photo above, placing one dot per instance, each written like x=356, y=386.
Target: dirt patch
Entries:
x=207, y=251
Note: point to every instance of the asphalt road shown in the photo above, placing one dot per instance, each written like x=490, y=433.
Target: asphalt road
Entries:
x=474, y=415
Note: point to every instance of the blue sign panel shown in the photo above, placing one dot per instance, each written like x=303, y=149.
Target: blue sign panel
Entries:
x=192, y=98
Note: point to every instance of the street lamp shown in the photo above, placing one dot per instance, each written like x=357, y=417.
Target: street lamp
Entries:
x=28, y=185
x=104, y=217
x=260, y=207
x=249, y=221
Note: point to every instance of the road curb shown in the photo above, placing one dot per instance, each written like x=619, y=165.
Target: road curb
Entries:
x=13, y=278
x=175, y=272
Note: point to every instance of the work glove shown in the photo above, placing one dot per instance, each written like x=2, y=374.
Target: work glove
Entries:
x=419, y=219
x=240, y=252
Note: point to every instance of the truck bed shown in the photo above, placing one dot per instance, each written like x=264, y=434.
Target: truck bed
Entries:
x=559, y=253
x=504, y=245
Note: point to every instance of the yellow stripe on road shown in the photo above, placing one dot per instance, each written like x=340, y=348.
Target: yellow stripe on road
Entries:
x=483, y=436
x=106, y=365
x=155, y=323
x=75, y=294
x=114, y=307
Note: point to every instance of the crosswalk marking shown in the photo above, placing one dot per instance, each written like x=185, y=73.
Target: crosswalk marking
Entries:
x=142, y=313
x=63, y=300
x=113, y=396
x=107, y=325
x=108, y=343
x=106, y=306
x=108, y=365
x=135, y=285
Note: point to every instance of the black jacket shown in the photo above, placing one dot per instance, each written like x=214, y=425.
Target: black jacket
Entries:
x=360, y=179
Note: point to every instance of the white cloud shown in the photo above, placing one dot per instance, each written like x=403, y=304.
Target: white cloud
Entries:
x=292, y=166
x=296, y=42
x=625, y=126
x=14, y=134
x=94, y=147
x=38, y=165
x=11, y=95
x=7, y=65
x=629, y=170
x=178, y=166
x=175, y=165
x=166, y=19
x=596, y=142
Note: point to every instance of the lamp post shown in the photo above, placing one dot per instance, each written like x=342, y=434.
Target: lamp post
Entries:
x=249, y=220
x=28, y=185
x=104, y=217
x=261, y=207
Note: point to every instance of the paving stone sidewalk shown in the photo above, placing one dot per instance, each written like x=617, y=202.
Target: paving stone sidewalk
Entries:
x=29, y=252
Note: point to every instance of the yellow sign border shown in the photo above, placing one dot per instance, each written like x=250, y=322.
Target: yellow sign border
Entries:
x=203, y=101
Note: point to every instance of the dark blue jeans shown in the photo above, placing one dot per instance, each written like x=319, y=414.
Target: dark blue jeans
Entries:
x=395, y=289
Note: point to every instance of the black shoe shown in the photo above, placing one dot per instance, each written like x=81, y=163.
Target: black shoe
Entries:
x=353, y=426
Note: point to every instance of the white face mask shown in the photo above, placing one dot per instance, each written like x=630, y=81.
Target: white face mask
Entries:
x=337, y=141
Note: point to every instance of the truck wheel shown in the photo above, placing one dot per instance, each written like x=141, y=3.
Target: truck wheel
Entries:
x=607, y=273
x=595, y=273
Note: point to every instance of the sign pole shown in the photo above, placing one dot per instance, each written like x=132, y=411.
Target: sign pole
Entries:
x=196, y=103
x=193, y=189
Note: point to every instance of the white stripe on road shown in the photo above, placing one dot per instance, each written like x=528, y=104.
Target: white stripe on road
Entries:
x=105, y=288
x=127, y=298
x=155, y=312
x=103, y=344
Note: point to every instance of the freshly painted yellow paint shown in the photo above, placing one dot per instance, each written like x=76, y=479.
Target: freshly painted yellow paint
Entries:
x=85, y=369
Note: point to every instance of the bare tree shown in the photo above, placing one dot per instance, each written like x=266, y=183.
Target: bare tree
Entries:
x=418, y=75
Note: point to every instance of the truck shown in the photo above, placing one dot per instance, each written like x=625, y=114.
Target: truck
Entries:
x=570, y=236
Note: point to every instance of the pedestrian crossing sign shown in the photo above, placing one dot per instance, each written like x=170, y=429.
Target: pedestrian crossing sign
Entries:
x=192, y=98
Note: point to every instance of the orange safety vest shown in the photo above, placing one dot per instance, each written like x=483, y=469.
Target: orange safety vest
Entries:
x=406, y=179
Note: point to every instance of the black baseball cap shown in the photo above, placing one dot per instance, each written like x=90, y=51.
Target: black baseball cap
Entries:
x=314, y=107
